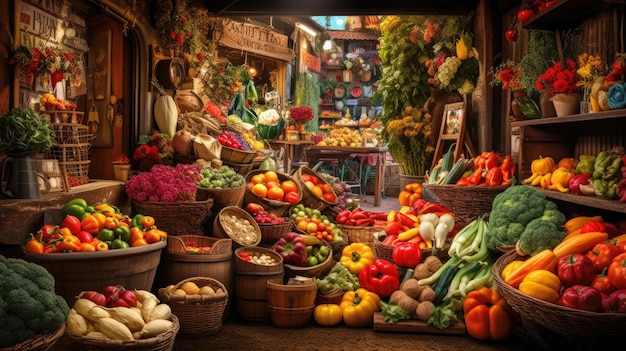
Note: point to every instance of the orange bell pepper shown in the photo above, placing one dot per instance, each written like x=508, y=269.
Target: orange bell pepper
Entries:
x=70, y=243
x=487, y=315
x=34, y=246
x=93, y=223
x=102, y=246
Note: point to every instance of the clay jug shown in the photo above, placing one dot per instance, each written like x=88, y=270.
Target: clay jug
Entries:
x=21, y=175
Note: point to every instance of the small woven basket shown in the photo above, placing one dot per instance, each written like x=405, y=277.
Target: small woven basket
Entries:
x=270, y=233
x=318, y=271
x=177, y=245
x=220, y=230
x=199, y=315
x=559, y=319
x=222, y=197
x=309, y=199
x=177, y=218
x=237, y=156
x=469, y=202
x=161, y=342
x=43, y=342
x=276, y=207
x=241, y=168
x=359, y=234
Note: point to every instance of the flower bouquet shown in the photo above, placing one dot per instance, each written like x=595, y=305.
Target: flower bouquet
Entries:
x=301, y=115
x=153, y=148
x=560, y=84
x=409, y=140
x=508, y=75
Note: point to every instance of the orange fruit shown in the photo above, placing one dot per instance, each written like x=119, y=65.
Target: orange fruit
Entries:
x=289, y=186
x=275, y=193
x=311, y=227
x=326, y=188
x=271, y=176
x=272, y=184
x=258, y=179
x=259, y=190
x=302, y=225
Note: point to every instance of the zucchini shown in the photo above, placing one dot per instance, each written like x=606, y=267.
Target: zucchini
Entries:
x=443, y=284
x=455, y=173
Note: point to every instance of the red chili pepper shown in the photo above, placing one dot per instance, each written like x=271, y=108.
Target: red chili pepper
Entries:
x=433, y=207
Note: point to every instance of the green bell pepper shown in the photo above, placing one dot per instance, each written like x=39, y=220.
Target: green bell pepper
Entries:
x=606, y=188
x=585, y=164
x=136, y=221
x=75, y=207
x=607, y=165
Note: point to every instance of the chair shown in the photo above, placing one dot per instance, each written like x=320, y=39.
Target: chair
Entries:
x=338, y=168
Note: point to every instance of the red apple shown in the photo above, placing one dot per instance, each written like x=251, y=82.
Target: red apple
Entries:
x=524, y=15
x=511, y=34
x=253, y=208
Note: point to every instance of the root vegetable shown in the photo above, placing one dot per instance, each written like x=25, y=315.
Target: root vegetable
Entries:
x=421, y=271
x=424, y=310
x=432, y=263
x=412, y=288
x=182, y=142
x=428, y=294
x=407, y=303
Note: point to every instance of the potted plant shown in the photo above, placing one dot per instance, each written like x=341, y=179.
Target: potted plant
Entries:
x=560, y=83
x=346, y=74
x=23, y=133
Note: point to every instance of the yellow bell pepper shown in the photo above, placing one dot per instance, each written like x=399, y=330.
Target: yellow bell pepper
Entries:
x=358, y=307
x=513, y=265
x=541, y=284
x=357, y=256
x=327, y=314
x=560, y=179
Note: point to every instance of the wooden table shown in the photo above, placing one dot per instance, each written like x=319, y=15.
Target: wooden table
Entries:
x=290, y=150
x=314, y=153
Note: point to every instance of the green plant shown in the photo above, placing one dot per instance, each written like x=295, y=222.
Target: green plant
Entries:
x=24, y=130
x=307, y=94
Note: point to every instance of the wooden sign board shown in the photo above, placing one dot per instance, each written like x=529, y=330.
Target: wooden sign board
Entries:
x=254, y=39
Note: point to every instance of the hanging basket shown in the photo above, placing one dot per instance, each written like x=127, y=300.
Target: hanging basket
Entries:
x=177, y=218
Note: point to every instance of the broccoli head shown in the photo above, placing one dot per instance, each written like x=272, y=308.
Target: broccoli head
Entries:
x=512, y=210
x=540, y=234
x=27, y=294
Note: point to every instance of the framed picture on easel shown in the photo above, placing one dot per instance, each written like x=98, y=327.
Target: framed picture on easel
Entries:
x=454, y=117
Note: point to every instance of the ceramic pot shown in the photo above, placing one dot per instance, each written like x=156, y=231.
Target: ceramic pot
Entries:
x=546, y=106
x=365, y=76
x=566, y=104
x=346, y=76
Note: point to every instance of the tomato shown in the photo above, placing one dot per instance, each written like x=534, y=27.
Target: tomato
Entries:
x=147, y=221
x=275, y=193
x=271, y=176
x=72, y=223
x=152, y=236
x=511, y=34
x=259, y=190
x=292, y=197
x=289, y=186
x=329, y=197
x=524, y=15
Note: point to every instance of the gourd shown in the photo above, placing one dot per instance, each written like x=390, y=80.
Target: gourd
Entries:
x=166, y=114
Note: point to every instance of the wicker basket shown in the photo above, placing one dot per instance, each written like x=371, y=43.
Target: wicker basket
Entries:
x=359, y=234
x=237, y=156
x=177, y=218
x=559, y=319
x=318, y=271
x=469, y=202
x=222, y=197
x=219, y=230
x=309, y=199
x=199, y=315
x=161, y=342
x=270, y=233
x=241, y=168
x=71, y=133
x=177, y=245
x=276, y=207
x=385, y=251
x=43, y=342
x=77, y=171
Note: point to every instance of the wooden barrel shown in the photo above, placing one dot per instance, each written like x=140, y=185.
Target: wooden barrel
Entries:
x=251, y=284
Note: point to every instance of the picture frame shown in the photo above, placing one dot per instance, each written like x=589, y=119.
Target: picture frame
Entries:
x=454, y=119
x=52, y=177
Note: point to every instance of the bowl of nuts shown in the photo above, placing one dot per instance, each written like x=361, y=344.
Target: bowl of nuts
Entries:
x=235, y=223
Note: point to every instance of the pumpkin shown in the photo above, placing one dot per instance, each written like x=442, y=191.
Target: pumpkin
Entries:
x=542, y=165
x=567, y=162
x=166, y=114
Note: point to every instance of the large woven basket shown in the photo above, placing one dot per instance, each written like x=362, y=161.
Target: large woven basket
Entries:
x=559, y=319
x=237, y=156
x=468, y=202
x=318, y=271
x=199, y=315
x=359, y=234
x=309, y=199
x=220, y=230
x=43, y=342
x=241, y=168
x=177, y=218
x=276, y=207
x=161, y=342
x=177, y=245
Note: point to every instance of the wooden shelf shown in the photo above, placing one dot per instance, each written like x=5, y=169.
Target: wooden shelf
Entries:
x=563, y=14
x=588, y=201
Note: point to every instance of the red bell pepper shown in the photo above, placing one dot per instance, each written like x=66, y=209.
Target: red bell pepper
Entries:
x=72, y=223
x=47, y=232
x=602, y=283
x=393, y=228
x=493, y=177
x=615, y=302
x=575, y=269
x=380, y=277
x=593, y=226
x=406, y=254
x=602, y=254
x=582, y=297
x=432, y=207
x=506, y=168
x=390, y=240
x=577, y=180
x=476, y=177
x=292, y=249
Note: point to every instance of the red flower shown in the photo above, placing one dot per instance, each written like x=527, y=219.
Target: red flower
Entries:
x=558, y=79
x=301, y=114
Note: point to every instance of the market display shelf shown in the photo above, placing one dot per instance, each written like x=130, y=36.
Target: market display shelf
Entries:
x=589, y=201
x=562, y=13
x=608, y=116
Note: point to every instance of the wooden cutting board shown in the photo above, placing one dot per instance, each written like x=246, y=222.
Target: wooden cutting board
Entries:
x=415, y=326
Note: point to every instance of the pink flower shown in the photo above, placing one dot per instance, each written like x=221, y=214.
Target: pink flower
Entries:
x=165, y=183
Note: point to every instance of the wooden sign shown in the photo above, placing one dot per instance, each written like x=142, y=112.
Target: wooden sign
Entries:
x=36, y=21
x=312, y=62
x=255, y=39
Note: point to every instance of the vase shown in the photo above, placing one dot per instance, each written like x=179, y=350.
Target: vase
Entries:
x=300, y=127
x=566, y=104
x=346, y=76
x=121, y=170
x=365, y=76
x=22, y=177
x=585, y=101
x=516, y=109
x=546, y=106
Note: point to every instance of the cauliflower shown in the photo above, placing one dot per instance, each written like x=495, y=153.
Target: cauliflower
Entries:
x=29, y=305
x=512, y=211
